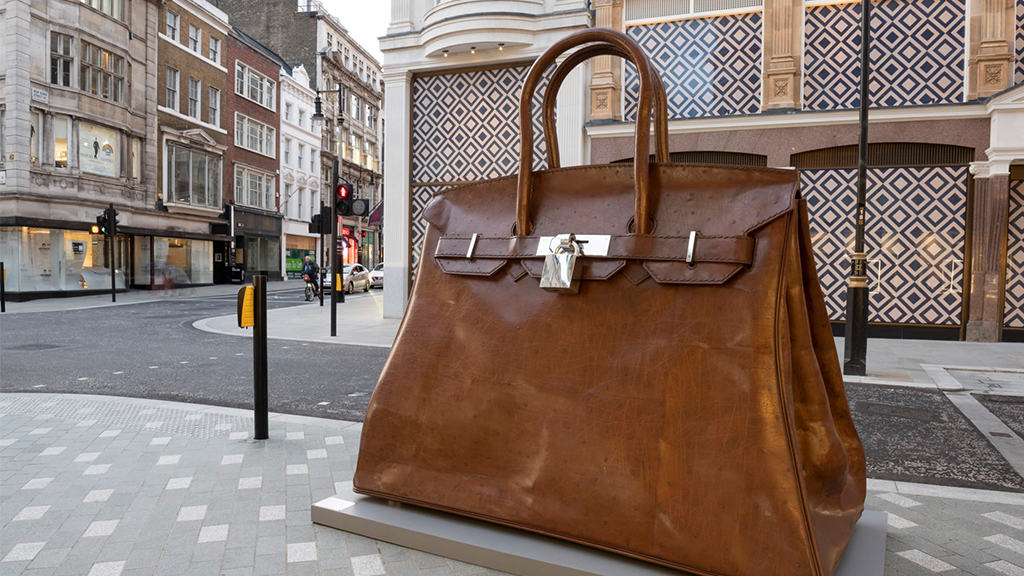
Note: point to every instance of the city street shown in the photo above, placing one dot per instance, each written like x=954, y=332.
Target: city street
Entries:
x=151, y=350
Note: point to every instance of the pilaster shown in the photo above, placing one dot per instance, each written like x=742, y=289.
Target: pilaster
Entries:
x=606, y=78
x=991, y=47
x=781, y=41
x=990, y=208
x=397, y=192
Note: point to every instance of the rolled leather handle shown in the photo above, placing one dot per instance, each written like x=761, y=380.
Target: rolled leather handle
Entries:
x=641, y=166
x=578, y=57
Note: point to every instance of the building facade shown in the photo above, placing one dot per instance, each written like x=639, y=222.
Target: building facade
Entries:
x=192, y=140
x=764, y=83
x=349, y=82
x=300, y=171
x=253, y=182
x=78, y=132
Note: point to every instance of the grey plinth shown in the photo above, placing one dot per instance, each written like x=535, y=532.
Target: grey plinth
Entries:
x=520, y=552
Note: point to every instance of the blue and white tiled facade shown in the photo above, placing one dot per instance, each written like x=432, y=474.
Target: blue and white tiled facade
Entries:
x=1013, y=307
x=916, y=230
x=917, y=54
x=710, y=66
x=1018, y=75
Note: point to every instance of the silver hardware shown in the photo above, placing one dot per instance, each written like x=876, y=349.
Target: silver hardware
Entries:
x=559, y=273
x=690, y=246
x=472, y=246
x=590, y=244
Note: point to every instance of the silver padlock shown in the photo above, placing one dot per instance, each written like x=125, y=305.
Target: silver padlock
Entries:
x=560, y=268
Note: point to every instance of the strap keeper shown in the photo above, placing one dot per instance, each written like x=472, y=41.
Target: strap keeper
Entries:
x=472, y=246
x=690, y=247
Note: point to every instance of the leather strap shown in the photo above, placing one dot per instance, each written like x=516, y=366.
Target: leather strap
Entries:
x=641, y=167
x=727, y=249
x=555, y=83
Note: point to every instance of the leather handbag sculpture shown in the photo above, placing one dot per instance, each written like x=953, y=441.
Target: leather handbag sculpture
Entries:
x=673, y=391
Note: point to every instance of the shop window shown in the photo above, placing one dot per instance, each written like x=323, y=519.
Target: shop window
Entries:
x=61, y=129
x=101, y=73
x=194, y=177
x=171, y=94
x=61, y=60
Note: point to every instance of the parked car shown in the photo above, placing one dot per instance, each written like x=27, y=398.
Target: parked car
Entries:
x=356, y=277
x=377, y=276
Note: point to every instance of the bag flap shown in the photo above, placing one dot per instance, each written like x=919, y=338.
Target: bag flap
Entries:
x=723, y=206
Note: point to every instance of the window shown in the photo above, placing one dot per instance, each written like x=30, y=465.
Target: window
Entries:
x=302, y=155
x=254, y=86
x=302, y=204
x=330, y=41
x=312, y=161
x=35, y=140
x=302, y=118
x=111, y=8
x=254, y=135
x=60, y=59
x=287, y=151
x=61, y=129
x=135, y=160
x=215, y=49
x=355, y=107
x=195, y=37
x=172, y=25
x=213, y=114
x=193, y=97
x=288, y=111
x=193, y=177
x=171, y=95
x=254, y=188
x=101, y=73
x=369, y=115
x=3, y=146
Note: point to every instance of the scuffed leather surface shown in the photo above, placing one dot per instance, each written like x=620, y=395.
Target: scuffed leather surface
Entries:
x=702, y=427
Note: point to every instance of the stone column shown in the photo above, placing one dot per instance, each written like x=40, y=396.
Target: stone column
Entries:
x=606, y=76
x=991, y=48
x=989, y=223
x=781, y=39
x=16, y=55
x=570, y=118
x=397, y=193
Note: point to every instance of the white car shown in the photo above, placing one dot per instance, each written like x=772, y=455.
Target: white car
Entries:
x=356, y=277
x=377, y=276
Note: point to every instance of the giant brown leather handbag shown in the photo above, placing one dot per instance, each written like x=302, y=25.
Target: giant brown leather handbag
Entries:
x=634, y=357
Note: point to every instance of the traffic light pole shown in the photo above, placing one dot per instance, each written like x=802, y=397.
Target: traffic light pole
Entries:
x=112, y=238
x=334, y=251
x=321, y=254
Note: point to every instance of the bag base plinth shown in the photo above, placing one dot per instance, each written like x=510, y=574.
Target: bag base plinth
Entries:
x=527, y=554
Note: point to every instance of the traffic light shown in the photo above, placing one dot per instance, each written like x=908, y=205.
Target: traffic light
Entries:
x=363, y=234
x=106, y=222
x=101, y=226
x=343, y=199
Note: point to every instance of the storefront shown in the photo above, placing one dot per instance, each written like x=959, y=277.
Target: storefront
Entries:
x=162, y=262
x=53, y=261
x=296, y=250
x=258, y=242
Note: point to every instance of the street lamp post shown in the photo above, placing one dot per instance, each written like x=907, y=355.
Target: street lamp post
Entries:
x=319, y=115
x=855, y=335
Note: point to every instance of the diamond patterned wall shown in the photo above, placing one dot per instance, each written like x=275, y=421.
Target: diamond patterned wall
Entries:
x=1014, y=302
x=917, y=54
x=710, y=66
x=1018, y=75
x=917, y=221
x=465, y=126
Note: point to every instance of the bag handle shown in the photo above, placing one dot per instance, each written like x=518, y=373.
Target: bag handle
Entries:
x=661, y=153
x=641, y=166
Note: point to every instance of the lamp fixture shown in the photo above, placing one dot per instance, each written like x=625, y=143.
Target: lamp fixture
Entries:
x=445, y=52
x=472, y=49
x=501, y=46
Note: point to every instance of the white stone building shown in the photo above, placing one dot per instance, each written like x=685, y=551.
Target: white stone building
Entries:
x=301, y=192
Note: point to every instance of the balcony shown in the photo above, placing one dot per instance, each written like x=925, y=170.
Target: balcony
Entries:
x=449, y=9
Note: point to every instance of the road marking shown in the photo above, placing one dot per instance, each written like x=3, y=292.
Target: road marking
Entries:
x=1007, y=542
x=119, y=372
x=153, y=367
x=1004, y=567
x=239, y=353
x=900, y=500
x=899, y=522
x=322, y=403
x=357, y=394
x=930, y=562
x=1003, y=518
x=183, y=362
x=285, y=347
x=83, y=378
x=213, y=357
x=40, y=386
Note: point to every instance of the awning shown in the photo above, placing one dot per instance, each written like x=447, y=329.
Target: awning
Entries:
x=376, y=217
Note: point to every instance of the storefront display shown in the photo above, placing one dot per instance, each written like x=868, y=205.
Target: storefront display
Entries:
x=54, y=260
x=99, y=150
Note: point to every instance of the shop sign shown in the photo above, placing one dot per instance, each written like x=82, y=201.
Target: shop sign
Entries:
x=99, y=150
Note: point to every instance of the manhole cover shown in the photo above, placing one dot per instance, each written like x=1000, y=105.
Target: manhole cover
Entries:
x=33, y=347
x=879, y=409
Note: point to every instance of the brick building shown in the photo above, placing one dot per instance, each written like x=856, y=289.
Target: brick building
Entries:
x=191, y=90
x=251, y=180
